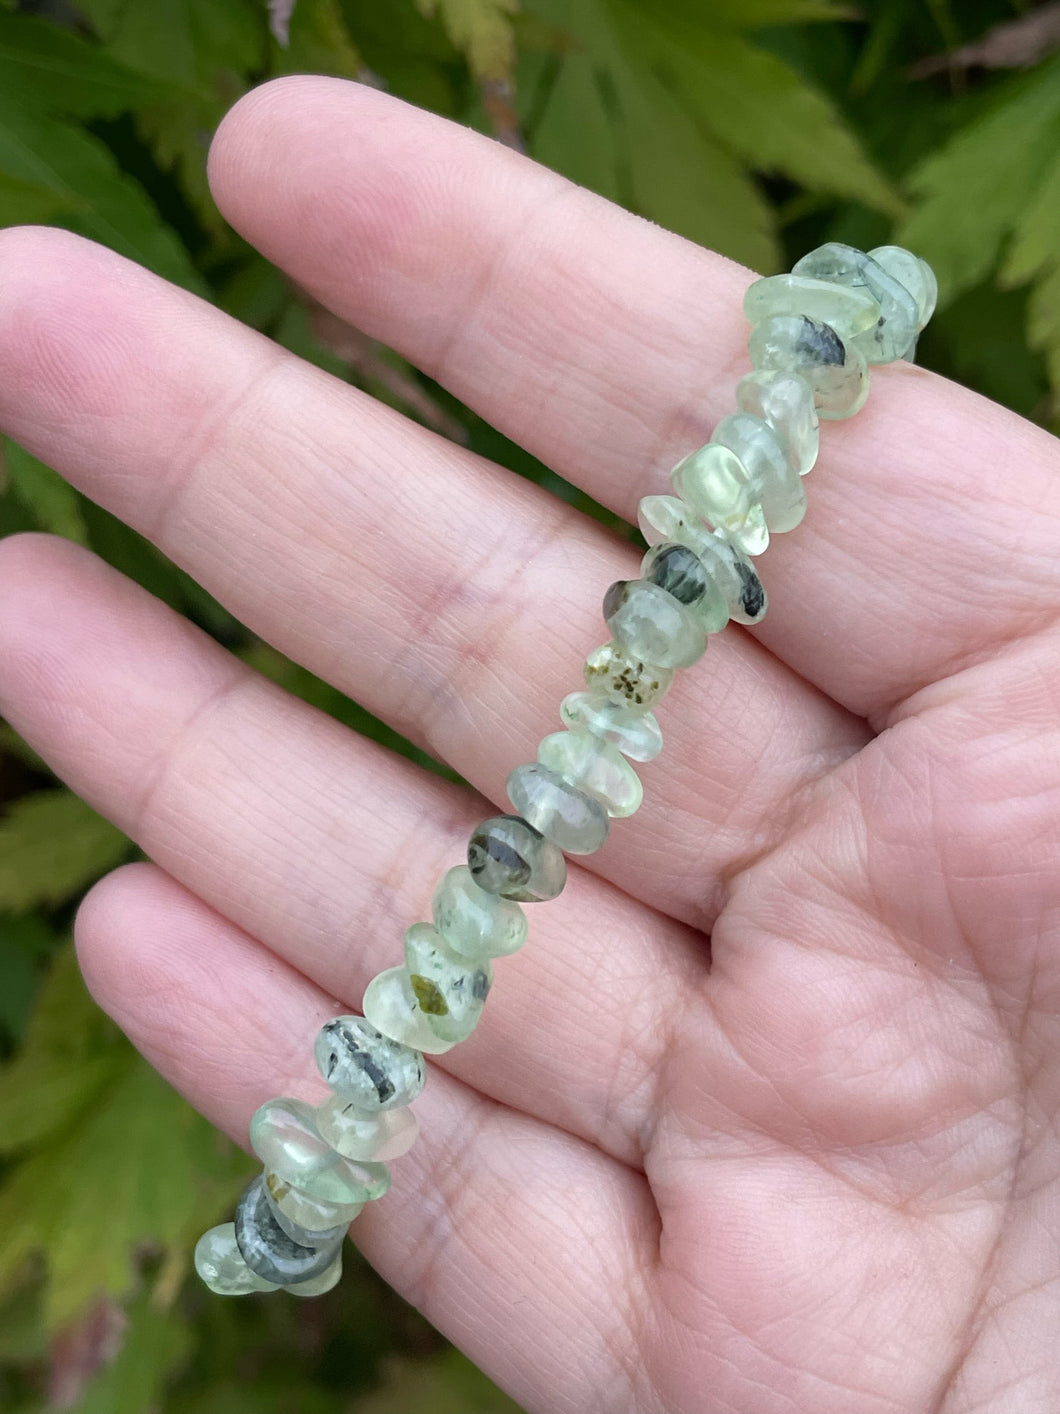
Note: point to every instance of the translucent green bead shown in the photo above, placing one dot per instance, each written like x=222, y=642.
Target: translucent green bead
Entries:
x=844, y=265
x=785, y=401
x=652, y=624
x=777, y=484
x=220, y=1264
x=450, y=989
x=593, y=766
x=391, y=1006
x=626, y=679
x=837, y=372
x=473, y=922
x=575, y=822
x=636, y=734
x=679, y=570
x=663, y=518
x=284, y=1135
x=366, y=1066
x=319, y=1285
x=307, y=1220
x=716, y=485
x=268, y=1250
x=509, y=857
x=915, y=274
x=848, y=311
x=357, y=1135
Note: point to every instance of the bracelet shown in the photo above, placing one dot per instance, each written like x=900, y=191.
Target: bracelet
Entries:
x=814, y=334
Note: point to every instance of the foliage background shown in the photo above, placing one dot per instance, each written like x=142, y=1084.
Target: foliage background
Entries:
x=758, y=127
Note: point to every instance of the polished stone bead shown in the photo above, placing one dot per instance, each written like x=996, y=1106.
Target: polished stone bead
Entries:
x=680, y=571
x=268, y=1250
x=844, y=265
x=319, y=1285
x=652, y=624
x=785, y=401
x=474, y=922
x=367, y=1067
x=715, y=483
x=449, y=988
x=357, y=1135
x=777, y=484
x=593, y=766
x=391, y=1005
x=284, y=1135
x=577, y=823
x=663, y=518
x=220, y=1264
x=507, y=856
x=625, y=679
x=848, y=311
x=636, y=734
x=915, y=274
x=308, y=1220
x=837, y=372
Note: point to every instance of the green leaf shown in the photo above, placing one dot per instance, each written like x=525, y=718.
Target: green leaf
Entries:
x=447, y=1384
x=29, y=203
x=12, y=744
x=481, y=30
x=101, y=201
x=53, y=845
x=135, y=1165
x=43, y=66
x=24, y=943
x=318, y=43
x=753, y=103
x=972, y=193
x=54, y=503
x=756, y=14
x=1034, y=256
x=153, y=1345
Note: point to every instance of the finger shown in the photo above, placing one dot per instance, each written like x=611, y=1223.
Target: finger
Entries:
x=323, y=845
x=491, y=1217
x=451, y=599
x=609, y=348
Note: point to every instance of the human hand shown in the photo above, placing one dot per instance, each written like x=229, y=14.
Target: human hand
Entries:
x=809, y=1166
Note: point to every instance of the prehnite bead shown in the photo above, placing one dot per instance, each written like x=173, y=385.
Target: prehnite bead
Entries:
x=306, y=1219
x=636, y=734
x=449, y=988
x=474, y=922
x=391, y=1006
x=625, y=679
x=715, y=483
x=679, y=570
x=367, y=1067
x=268, y=1250
x=220, y=1264
x=777, y=484
x=844, y=265
x=837, y=372
x=664, y=518
x=508, y=857
x=284, y=1135
x=318, y=1286
x=577, y=823
x=848, y=311
x=652, y=624
x=785, y=401
x=595, y=767
x=357, y=1135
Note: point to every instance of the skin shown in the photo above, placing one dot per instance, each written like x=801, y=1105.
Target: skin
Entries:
x=764, y=1118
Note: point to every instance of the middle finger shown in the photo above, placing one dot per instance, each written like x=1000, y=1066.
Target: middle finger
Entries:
x=448, y=597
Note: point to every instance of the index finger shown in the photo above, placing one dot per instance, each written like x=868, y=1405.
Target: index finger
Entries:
x=609, y=348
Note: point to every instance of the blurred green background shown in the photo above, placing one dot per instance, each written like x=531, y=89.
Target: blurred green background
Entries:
x=757, y=127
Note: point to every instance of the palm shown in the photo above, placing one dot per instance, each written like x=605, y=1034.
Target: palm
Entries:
x=813, y=1177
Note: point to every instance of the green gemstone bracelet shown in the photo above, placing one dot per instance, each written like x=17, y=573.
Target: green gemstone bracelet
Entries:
x=814, y=334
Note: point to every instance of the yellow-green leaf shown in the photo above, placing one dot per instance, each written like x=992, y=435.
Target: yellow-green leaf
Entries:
x=318, y=42
x=153, y=1344
x=53, y=845
x=447, y=1384
x=481, y=30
